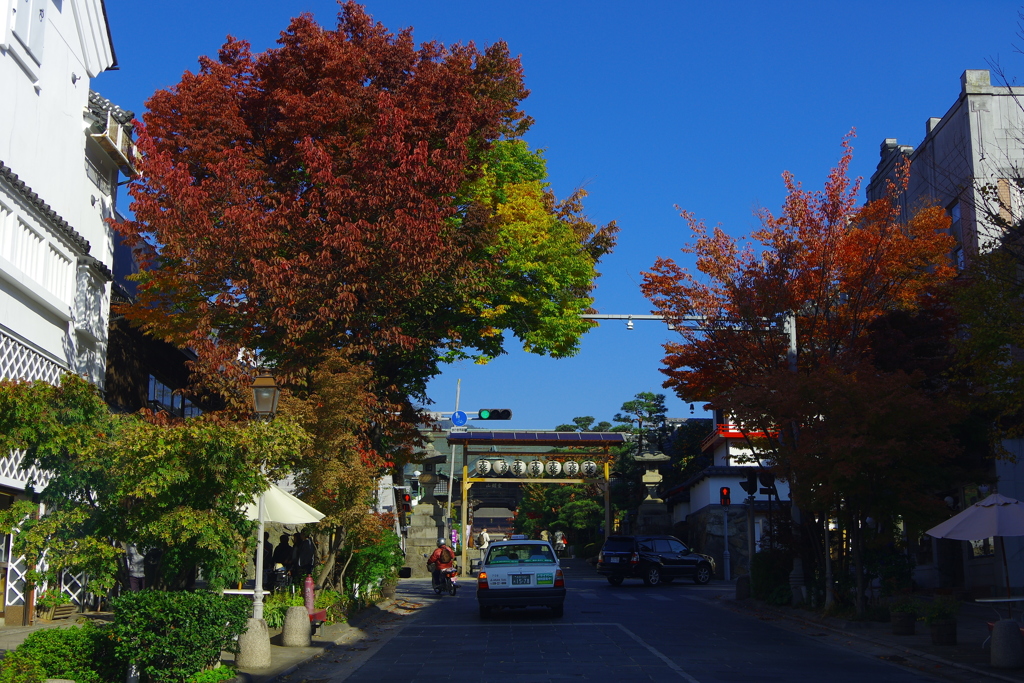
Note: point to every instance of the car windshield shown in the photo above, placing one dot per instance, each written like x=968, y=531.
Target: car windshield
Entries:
x=525, y=553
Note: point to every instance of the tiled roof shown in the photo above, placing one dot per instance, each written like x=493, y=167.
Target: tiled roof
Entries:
x=98, y=104
x=61, y=226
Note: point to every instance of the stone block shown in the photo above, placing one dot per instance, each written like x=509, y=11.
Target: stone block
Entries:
x=1007, y=645
x=254, y=646
x=297, y=631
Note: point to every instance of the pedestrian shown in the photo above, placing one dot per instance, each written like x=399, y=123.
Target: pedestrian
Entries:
x=560, y=543
x=545, y=535
x=305, y=555
x=268, y=558
x=136, y=560
x=283, y=552
x=483, y=542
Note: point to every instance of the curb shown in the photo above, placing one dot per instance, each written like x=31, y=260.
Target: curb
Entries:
x=864, y=637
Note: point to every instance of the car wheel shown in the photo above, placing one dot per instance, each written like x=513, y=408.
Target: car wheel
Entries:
x=485, y=612
x=615, y=580
x=557, y=611
x=652, y=577
x=702, y=574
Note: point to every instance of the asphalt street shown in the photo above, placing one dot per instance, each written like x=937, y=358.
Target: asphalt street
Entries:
x=674, y=632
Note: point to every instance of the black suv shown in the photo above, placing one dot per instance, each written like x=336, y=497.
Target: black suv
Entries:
x=655, y=559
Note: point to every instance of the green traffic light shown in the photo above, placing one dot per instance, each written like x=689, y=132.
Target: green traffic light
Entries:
x=484, y=414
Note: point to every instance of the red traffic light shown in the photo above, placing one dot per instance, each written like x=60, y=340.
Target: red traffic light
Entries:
x=406, y=498
x=724, y=496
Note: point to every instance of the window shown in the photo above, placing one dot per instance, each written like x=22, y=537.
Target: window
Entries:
x=29, y=26
x=162, y=397
x=957, y=230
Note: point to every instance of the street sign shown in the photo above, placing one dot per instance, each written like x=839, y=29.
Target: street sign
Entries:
x=459, y=418
x=457, y=430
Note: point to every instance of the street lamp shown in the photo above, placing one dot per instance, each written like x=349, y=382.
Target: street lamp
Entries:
x=265, y=396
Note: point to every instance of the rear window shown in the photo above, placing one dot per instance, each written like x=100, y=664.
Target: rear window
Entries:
x=526, y=553
x=619, y=545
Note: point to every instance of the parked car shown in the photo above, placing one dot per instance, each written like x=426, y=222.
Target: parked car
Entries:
x=655, y=559
x=520, y=573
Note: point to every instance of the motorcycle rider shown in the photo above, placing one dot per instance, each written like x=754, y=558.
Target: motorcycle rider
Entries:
x=441, y=558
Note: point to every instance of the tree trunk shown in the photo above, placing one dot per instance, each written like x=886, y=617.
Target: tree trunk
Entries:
x=330, y=558
x=857, y=536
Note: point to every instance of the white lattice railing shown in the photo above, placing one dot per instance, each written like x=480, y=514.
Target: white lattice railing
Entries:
x=19, y=361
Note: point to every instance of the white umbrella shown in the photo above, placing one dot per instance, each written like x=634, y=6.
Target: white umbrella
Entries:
x=275, y=505
x=996, y=515
x=282, y=507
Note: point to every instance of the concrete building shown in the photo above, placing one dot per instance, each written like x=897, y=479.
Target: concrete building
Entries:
x=977, y=144
x=62, y=148
x=965, y=164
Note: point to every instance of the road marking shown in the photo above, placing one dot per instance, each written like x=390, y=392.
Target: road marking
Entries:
x=620, y=596
x=654, y=651
x=660, y=597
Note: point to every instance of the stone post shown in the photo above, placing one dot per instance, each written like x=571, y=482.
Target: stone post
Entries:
x=254, y=646
x=296, y=627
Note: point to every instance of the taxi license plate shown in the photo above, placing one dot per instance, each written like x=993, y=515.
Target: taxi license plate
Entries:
x=520, y=579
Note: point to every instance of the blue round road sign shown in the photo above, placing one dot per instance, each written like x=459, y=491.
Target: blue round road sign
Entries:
x=459, y=418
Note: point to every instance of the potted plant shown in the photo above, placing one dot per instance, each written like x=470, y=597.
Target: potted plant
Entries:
x=903, y=615
x=48, y=601
x=940, y=615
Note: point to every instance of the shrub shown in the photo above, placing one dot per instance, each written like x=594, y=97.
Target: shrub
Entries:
x=904, y=603
x=769, y=577
x=171, y=636
x=373, y=565
x=275, y=606
x=80, y=653
x=221, y=673
x=941, y=608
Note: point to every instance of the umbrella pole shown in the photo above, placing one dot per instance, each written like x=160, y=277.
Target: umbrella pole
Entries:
x=257, y=594
x=1006, y=573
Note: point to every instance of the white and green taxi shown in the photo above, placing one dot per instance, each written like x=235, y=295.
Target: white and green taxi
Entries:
x=520, y=573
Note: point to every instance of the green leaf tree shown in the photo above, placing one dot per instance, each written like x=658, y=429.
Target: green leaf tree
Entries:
x=176, y=488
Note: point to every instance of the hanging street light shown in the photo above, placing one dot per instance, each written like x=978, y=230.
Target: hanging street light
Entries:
x=265, y=395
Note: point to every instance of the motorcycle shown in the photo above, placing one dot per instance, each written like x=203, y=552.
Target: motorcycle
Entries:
x=449, y=580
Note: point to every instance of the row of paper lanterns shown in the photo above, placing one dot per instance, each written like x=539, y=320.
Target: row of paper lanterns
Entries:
x=534, y=468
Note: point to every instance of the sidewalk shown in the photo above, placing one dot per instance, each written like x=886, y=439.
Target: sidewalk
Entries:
x=967, y=660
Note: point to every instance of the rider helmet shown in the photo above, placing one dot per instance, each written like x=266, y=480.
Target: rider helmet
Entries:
x=441, y=542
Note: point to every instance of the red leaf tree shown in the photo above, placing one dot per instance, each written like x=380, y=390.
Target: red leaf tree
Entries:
x=314, y=196
x=849, y=433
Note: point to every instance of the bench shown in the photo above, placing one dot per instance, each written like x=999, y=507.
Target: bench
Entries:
x=317, y=617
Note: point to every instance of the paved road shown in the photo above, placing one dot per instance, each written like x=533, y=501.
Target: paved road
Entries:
x=677, y=632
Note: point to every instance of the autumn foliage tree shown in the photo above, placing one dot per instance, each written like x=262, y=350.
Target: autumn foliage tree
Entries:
x=847, y=432
x=351, y=190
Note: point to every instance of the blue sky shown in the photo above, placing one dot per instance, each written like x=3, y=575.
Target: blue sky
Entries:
x=647, y=106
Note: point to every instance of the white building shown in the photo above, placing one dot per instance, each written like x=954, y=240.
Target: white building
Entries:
x=696, y=503
x=61, y=150
x=978, y=143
